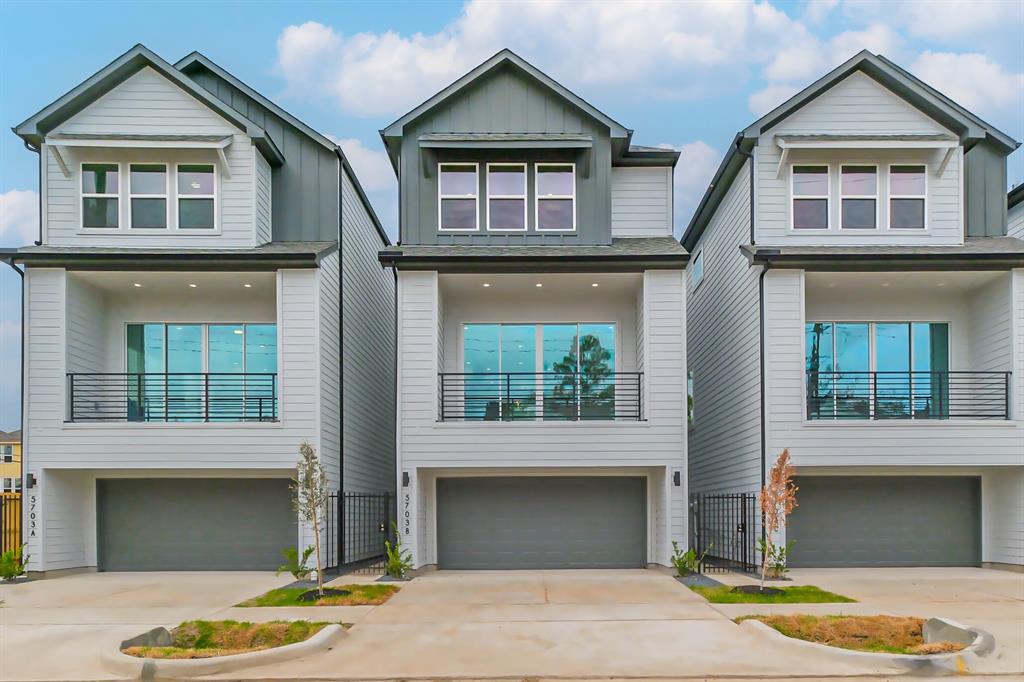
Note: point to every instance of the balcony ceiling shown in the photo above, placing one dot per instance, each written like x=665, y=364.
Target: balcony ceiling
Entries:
x=520, y=287
x=263, y=285
x=935, y=283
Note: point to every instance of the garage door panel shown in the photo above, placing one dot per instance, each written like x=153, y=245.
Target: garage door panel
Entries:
x=193, y=524
x=886, y=521
x=541, y=522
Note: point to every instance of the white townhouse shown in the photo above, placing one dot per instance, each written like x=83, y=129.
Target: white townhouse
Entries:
x=541, y=331
x=855, y=296
x=204, y=296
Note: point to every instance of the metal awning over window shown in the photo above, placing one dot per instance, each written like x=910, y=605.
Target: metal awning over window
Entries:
x=57, y=141
x=949, y=143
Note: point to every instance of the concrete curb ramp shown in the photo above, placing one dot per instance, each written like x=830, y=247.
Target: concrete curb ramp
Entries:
x=979, y=643
x=163, y=669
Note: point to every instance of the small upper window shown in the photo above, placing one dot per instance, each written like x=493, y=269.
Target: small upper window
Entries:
x=100, y=199
x=556, y=197
x=810, y=197
x=859, y=185
x=147, y=184
x=6, y=454
x=697, y=268
x=196, y=197
x=506, y=196
x=457, y=197
x=907, y=192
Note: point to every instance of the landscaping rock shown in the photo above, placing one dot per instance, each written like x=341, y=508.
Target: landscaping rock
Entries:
x=155, y=637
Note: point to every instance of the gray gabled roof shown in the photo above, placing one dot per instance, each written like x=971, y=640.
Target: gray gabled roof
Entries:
x=1015, y=196
x=34, y=128
x=967, y=126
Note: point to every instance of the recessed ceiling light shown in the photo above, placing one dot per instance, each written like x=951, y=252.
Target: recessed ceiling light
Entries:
x=538, y=285
x=192, y=286
x=487, y=284
x=136, y=284
x=831, y=285
x=247, y=285
x=941, y=284
x=885, y=284
x=594, y=284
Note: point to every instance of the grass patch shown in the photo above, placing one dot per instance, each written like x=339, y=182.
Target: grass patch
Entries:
x=798, y=594
x=876, y=634
x=209, y=638
x=362, y=595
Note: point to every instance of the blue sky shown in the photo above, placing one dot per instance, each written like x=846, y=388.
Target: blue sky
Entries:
x=683, y=74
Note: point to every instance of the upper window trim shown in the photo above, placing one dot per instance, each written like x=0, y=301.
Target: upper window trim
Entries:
x=178, y=196
x=165, y=196
x=524, y=196
x=875, y=196
x=476, y=196
x=82, y=195
x=827, y=197
x=537, y=198
x=890, y=196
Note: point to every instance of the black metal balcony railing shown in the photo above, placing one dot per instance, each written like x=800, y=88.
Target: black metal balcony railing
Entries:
x=540, y=396
x=908, y=395
x=172, y=397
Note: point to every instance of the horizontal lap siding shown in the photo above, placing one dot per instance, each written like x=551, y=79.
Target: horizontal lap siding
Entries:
x=641, y=202
x=723, y=346
x=1002, y=496
x=330, y=380
x=945, y=443
x=1015, y=221
x=368, y=349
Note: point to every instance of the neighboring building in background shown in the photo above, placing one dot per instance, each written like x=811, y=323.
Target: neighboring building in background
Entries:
x=205, y=297
x=1015, y=212
x=541, y=342
x=857, y=297
x=10, y=461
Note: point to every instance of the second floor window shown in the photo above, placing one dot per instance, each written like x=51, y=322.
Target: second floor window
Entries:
x=810, y=197
x=556, y=197
x=907, y=191
x=506, y=197
x=196, y=197
x=457, y=197
x=859, y=185
x=100, y=195
x=147, y=185
x=6, y=454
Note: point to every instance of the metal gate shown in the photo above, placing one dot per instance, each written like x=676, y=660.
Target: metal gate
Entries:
x=723, y=530
x=357, y=525
x=10, y=521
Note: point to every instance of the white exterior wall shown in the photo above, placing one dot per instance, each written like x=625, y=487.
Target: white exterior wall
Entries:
x=641, y=202
x=1002, y=513
x=428, y=447
x=58, y=453
x=1015, y=221
x=857, y=105
x=147, y=103
x=873, y=443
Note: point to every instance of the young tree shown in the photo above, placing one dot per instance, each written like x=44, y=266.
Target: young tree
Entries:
x=778, y=500
x=310, y=498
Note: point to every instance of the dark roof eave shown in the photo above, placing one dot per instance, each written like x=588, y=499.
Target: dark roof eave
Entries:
x=884, y=262
x=471, y=263
x=242, y=261
x=1015, y=196
x=719, y=185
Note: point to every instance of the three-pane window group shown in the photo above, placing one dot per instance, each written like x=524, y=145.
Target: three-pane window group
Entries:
x=152, y=189
x=859, y=197
x=506, y=189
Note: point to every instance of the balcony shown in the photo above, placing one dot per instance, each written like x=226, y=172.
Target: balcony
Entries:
x=172, y=397
x=908, y=395
x=540, y=396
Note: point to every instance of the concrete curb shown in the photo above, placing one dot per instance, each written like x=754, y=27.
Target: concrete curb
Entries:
x=958, y=663
x=162, y=669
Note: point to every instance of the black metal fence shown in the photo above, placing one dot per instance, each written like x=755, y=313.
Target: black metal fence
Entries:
x=723, y=530
x=357, y=525
x=908, y=395
x=10, y=521
x=172, y=397
x=536, y=396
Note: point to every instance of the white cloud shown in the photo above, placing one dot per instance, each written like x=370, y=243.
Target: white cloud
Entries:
x=19, y=217
x=771, y=96
x=697, y=164
x=817, y=10
x=371, y=165
x=971, y=80
x=953, y=20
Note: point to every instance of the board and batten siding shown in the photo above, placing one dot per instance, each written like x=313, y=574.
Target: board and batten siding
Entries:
x=723, y=345
x=262, y=202
x=147, y=103
x=425, y=444
x=641, y=202
x=242, y=449
x=368, y=348
x=857, y=105
x=862, y=443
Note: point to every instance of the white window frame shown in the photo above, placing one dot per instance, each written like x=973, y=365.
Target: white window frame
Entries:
x=890, y=196
x=178, y=197
x=6, y=454
x=8, y=484
x=165, y=196
x=697, y=273
x=537, y=198
x=476, y=196
x=83, y=195
x=827, y=197
x=876, y=196
x=524, y=196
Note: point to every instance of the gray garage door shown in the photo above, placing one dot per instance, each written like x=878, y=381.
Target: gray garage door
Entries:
x=886, y=521
x=542, y=522
x=193, y=524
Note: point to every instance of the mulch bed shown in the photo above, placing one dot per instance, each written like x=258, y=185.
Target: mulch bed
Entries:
x=314, y=594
